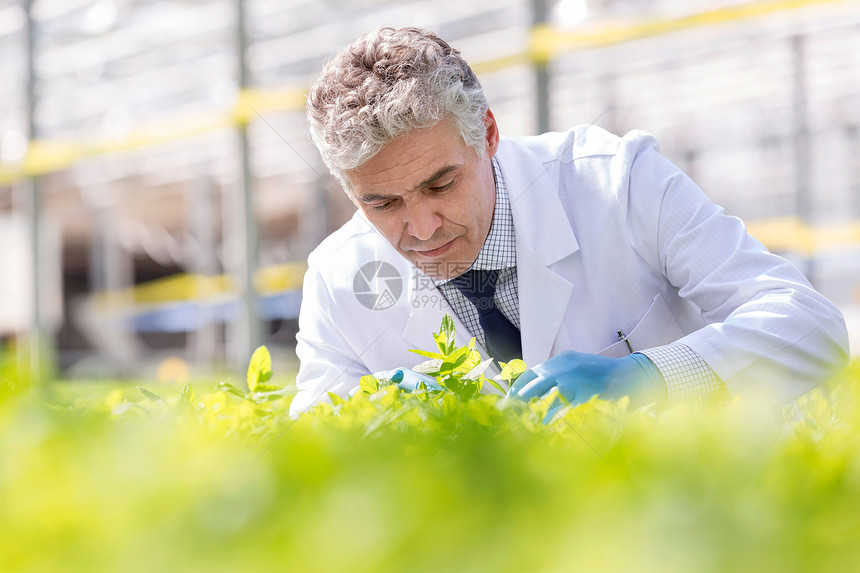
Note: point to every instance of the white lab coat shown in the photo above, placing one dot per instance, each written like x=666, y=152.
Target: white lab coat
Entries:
x=610, y=236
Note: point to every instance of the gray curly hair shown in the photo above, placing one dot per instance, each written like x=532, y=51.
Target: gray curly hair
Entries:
x=385, y=84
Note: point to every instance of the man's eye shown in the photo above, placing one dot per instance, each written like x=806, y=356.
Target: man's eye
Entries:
x=443, y=187
x=383, y=207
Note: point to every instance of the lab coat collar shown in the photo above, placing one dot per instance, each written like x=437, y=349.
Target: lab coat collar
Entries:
x=540, y=221
x=544, y=237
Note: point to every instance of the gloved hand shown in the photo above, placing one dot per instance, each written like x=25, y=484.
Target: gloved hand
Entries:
x=579, y=376
x=407, y=379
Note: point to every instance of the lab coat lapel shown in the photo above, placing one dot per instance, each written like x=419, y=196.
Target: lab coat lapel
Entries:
x=544, y=237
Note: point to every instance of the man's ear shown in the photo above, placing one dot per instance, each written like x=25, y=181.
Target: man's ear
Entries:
x=492, y=135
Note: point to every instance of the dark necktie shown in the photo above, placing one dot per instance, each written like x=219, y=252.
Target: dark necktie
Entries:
x=503, y=338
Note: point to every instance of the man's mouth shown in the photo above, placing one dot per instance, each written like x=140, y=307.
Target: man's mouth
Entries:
x=438, y=252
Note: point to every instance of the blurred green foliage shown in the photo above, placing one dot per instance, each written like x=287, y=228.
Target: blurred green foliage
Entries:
x=14, y=372
x=206, y=479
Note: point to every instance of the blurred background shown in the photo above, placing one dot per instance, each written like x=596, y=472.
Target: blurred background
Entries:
x=159, y=193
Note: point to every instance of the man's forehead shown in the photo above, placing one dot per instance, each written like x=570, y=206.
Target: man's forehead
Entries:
x=410, y=162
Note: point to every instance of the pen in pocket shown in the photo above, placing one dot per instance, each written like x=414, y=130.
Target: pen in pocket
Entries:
x=626, y=341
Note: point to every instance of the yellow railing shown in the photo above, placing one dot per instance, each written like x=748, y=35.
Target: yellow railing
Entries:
x=794, y=235
x=548, y=42
x=45, y=156
x=187, y=286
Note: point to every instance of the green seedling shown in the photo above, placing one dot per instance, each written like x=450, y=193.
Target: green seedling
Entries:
x=259, y=373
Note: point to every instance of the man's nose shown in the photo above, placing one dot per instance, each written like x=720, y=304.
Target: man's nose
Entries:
x=422, y=222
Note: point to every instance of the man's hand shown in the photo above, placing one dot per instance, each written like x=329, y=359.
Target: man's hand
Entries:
x=579, y=376
x=407, y=379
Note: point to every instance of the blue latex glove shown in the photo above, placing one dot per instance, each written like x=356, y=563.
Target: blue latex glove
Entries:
x=407, y=379
x=579, y=376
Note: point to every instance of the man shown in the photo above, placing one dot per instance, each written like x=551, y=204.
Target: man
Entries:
x=590, y=256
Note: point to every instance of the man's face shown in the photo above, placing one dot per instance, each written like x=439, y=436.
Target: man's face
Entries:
x=431, y=196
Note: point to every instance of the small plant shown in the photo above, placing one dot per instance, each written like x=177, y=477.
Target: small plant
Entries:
x=457, y=370
x=260, y=391
x=259, y=373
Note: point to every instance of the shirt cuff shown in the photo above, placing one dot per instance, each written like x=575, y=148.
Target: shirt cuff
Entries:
x=687, y=375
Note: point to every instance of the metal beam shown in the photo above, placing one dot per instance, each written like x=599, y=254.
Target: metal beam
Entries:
x=804, y=209
x=38, y=339
x=246, y=332
x=541, y=72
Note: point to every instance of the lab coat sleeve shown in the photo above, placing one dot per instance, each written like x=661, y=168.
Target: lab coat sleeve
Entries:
x=327, y=362
x=768, y=331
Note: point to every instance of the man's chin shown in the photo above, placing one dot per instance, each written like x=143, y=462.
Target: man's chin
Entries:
x=442, y=269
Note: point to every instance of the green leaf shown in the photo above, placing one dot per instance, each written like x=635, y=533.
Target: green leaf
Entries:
x=428, y=354
x=149, y=395
x=186, y=394
x=495, y=385
x=260, y=368
x=336, y=399
x=445, y=338
x=430, y=367
x=473, y=358
x=369, y=383
x=448, y=329
x=225, y=387
x=476, y=371
x=267, y=388
x=512, y=370
x=455, y=359
x=441, y=342
x=261, y=397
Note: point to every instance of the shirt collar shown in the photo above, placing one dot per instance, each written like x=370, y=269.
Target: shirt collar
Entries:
x=499, y=248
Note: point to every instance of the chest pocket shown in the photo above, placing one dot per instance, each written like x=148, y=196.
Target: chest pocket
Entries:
x=657, y=327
